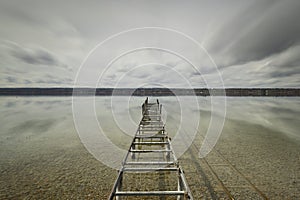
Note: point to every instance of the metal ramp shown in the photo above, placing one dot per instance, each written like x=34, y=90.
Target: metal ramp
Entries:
x=150, y=168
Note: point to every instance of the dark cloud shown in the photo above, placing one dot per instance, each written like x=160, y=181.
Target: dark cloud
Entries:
x=9, y=9
x=43, y=81
x=140, y=75
x=241, y=36
x=48, y=79
x=293, y=63
x=288, y=59
x=35, y=57
x=11, y=79
x=284, y=72
x=173, y=63
x=27, y=82
x=262, y=30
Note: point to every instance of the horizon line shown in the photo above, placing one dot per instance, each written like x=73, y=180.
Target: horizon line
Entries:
x=86, y=91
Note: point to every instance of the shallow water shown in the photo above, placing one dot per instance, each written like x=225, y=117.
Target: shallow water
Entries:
x=42, y=156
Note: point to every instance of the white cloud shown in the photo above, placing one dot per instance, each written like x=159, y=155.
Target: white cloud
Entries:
x=255, y=44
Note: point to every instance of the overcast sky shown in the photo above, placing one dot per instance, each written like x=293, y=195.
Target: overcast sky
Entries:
x=253, y=43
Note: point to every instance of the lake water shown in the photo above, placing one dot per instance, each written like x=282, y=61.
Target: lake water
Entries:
x=42, y=156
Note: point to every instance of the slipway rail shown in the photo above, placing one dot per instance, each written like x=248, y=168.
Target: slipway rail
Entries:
x=151, y=162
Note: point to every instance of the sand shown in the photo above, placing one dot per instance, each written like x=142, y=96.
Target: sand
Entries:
x=42, y=157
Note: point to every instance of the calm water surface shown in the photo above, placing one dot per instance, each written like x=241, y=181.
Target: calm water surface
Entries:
x=41, y=155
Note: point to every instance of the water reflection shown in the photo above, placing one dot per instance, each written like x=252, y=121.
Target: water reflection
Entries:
x=41, y=154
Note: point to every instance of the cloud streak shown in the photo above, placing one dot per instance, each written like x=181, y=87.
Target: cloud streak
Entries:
x=259, y=31
x=254, y=43
x=35, y=57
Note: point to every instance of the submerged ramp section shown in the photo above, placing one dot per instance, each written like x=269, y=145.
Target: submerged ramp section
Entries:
x=150, y=168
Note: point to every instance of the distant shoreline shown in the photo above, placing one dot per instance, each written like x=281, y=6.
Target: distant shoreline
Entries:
x=287, y=92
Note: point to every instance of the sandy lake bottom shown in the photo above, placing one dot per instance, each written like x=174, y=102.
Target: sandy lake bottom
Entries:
x=256, y=156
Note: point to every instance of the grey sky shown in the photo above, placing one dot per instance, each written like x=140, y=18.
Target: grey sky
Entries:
x=253, y=43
